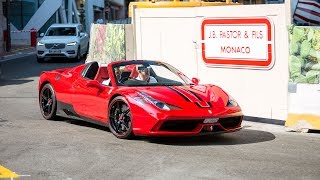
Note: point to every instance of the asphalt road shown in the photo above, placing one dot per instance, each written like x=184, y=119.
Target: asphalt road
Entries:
x=67, y=149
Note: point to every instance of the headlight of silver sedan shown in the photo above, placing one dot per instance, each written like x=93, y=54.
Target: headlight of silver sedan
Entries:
x=40, y=44
x=72, y=44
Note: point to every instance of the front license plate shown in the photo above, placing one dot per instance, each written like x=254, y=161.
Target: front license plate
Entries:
x=211, y=120
x=55, y=51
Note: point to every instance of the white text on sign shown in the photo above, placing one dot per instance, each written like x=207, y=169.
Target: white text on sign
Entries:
x=236, y=41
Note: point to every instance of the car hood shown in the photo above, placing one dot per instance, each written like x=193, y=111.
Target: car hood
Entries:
x=186, y=97
x=58, y=39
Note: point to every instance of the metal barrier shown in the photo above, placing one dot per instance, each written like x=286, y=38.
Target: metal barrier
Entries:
x=24, y=37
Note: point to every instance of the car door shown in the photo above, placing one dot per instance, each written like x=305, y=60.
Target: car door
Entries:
x=90, y=100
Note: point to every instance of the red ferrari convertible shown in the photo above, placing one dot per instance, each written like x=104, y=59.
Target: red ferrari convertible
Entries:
x=143, y=98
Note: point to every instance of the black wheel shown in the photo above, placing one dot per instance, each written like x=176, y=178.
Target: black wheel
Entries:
x=120, y=123
x=48, y=102
x=40, y=60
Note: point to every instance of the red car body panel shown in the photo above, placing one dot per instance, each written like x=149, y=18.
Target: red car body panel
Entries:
x=195, y=103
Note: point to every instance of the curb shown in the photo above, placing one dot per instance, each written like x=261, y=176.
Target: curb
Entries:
x=264, y=120
x=21, y=49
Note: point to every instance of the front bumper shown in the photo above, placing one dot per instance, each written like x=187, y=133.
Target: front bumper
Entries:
x=66, y=52
x=186, y=123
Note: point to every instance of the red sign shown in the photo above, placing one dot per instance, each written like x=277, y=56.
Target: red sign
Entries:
x=237, y=42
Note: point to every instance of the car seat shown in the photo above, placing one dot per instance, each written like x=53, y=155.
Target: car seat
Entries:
x=102, y=74
x=134, y=72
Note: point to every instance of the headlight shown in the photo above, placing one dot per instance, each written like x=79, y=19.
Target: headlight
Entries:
x=72, y=44
x=159, y=104
x=40, y=44
x=232, y=102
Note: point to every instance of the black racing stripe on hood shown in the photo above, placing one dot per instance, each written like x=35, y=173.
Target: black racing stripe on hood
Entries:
x=195, y=94
x=199, y=105
x=184, y=97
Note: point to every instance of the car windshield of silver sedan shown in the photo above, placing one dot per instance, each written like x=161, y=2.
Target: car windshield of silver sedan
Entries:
x=149, y=73
x=61, y=31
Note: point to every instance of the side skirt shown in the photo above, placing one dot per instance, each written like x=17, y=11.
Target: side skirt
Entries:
x=66, y=110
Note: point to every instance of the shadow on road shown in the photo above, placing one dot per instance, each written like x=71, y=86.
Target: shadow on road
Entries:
x=82, y=123
x=18, y=71
x=244, y=136
x=4, y=82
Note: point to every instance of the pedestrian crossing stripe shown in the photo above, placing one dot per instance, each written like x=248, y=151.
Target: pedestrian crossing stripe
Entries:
x=6, y=173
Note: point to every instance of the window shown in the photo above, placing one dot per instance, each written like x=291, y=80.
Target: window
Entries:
x=61, y=31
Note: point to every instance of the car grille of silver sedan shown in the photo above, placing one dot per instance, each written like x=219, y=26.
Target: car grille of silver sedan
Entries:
x=55, y=45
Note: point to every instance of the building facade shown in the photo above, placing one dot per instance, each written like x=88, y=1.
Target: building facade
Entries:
x=40, y=14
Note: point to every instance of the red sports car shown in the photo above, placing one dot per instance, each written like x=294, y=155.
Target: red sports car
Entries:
x=143, y=98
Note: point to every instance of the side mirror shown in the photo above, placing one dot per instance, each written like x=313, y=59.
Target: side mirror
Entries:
x=94, y=83
x=82, y=34
x=42, y=34
x=195, y=81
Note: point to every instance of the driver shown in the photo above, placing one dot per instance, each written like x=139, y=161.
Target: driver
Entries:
x=144, y=74
x=117, y=72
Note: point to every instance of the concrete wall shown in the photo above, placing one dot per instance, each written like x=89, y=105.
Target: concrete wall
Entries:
x=129, y=40
x=43, y=14
x=173, y=35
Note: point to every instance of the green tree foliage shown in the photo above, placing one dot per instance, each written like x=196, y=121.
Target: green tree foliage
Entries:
x=304, y=60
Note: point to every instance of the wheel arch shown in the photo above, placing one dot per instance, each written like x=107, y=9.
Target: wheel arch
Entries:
x=43, y=84
x=114, y=96
x=118, y=95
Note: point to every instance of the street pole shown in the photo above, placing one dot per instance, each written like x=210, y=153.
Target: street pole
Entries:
x=8, y=42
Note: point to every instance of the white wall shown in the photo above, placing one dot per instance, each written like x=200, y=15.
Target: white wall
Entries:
x=166, y=38
x=169, y=35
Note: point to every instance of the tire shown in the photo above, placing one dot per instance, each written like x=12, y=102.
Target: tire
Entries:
x=120, y=123
x=40, y=60
x=48, y=102
x=78, y=57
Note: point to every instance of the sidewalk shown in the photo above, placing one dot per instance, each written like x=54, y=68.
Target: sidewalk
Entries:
x=16, y=50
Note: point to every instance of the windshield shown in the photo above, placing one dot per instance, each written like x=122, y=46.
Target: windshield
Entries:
x=61, y=31
x=148, y=73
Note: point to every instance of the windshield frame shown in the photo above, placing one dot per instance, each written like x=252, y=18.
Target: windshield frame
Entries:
x=184, y=78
